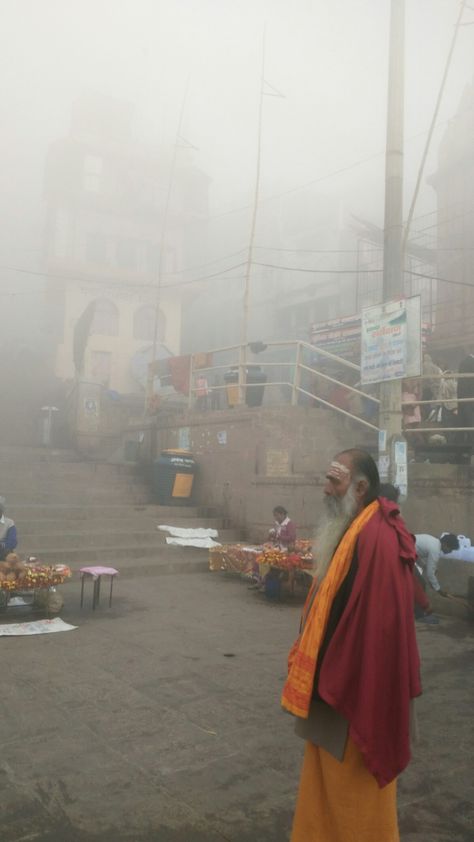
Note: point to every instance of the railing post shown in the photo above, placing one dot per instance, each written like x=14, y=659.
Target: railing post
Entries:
x=242, y=374
x=296, y=376
x=191, y=381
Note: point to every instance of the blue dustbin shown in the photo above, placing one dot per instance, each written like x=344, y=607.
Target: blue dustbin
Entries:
x=173, y=478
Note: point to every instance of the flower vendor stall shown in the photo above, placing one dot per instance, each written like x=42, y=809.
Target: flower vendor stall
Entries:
x=258, y=561
x=233, y=558
x=31, y=583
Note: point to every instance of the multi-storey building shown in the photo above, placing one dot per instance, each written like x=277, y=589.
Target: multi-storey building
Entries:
x=106, y=196
x=454, y=186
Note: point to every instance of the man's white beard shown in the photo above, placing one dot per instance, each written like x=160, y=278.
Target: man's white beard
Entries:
x=340, y=512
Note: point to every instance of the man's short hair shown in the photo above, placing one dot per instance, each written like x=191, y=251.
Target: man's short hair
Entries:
x=450, y=541
x=364, y=465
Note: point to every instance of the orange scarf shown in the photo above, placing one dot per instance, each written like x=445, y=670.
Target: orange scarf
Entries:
x=298, y=689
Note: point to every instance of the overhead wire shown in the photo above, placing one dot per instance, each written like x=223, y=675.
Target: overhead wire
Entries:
x=314, y=271
x=329, y=175
x=140, y=285
x=113, y=282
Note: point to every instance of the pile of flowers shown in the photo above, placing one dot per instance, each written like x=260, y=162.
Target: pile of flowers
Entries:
x=231, y=557
x=32, y=575
x=303, y=547
x=285, y=561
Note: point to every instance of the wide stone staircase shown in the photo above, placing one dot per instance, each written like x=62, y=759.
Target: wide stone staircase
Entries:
x=68, y=511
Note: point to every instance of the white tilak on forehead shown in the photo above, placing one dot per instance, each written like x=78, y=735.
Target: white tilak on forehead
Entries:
x=338, y=471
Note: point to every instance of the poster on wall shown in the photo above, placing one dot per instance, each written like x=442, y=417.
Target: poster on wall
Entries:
x=391, y=341
x=184, y=438
x=384, y=345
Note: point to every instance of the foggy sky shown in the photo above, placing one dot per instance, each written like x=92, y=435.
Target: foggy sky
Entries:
x=328, y=58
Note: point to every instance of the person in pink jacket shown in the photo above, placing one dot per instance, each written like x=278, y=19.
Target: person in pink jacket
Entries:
x=283, y=534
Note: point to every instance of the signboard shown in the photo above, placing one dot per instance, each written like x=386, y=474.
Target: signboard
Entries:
x=343, y=336
x=277, y=463
x=339, y=336
x=401, y=467
x=391, y=341
x=184, y=438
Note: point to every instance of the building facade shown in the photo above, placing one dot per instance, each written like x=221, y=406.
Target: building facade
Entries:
x=105, y=197
x=454, y=186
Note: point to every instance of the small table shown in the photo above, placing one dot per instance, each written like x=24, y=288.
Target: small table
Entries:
x=95, y=574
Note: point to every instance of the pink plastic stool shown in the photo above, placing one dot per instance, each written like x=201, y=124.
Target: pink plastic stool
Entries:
x=95, y=574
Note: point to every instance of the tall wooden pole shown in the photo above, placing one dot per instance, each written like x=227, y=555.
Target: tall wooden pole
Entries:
x=253, y=225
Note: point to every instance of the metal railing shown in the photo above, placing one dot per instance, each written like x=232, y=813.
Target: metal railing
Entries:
x=441, y=402
x=303, y=368
x=290, y=374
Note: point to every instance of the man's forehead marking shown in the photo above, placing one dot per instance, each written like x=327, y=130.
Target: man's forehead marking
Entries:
x=337, y=470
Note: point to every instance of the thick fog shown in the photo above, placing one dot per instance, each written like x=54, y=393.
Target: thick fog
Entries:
x=322, y=140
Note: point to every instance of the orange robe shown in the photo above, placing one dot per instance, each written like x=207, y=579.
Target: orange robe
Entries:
x=342, y=802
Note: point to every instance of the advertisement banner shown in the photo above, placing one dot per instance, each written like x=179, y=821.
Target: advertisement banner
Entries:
x=384, y=342
x=343, y=336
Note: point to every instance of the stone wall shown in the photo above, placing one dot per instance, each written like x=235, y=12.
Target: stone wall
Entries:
x=253, y=459
x=440, y=499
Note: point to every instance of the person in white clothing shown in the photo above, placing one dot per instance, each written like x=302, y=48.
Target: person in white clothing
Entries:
x=429, y=549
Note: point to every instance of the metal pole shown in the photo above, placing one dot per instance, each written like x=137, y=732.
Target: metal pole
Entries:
x=297, y=375
x=390, y=393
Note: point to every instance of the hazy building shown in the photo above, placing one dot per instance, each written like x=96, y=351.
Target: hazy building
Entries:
x=294, y=234
x=454, y=186
x=105, y=196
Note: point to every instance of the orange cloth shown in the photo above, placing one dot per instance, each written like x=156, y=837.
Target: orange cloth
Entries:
x=298, y=689
x=203, y=359
x=342, y=802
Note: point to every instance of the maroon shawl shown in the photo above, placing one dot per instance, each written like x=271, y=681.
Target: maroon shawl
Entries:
x=370, y=671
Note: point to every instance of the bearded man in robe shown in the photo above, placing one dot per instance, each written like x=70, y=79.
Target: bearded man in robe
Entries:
x=354, y=669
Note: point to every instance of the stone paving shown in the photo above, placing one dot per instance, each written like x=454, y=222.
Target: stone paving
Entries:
x=159, y=720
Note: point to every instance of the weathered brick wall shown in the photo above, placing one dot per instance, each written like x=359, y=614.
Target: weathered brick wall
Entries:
x=440, y=499
x=253, y=459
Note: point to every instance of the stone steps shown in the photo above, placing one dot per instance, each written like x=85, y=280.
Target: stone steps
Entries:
x=27, y=512
x=21, y=484
x=152, y=538
x=16, y=455
x=74, y=471
x=83, y=526
x=131, y=493
x=130, y=556
x=85, y=513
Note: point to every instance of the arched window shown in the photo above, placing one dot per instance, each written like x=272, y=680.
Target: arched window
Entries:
x=106, y=318
x=144, y=324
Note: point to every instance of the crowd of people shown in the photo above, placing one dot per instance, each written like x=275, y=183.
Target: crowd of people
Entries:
x=441, y=399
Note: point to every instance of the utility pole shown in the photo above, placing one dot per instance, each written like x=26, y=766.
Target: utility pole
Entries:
x=393, y=283
x=253, y=225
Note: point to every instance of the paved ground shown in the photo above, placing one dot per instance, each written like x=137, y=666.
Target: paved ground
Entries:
x=159, y=720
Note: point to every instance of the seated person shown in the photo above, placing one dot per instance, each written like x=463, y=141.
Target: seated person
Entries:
x=283, y=534
x=8, y=535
